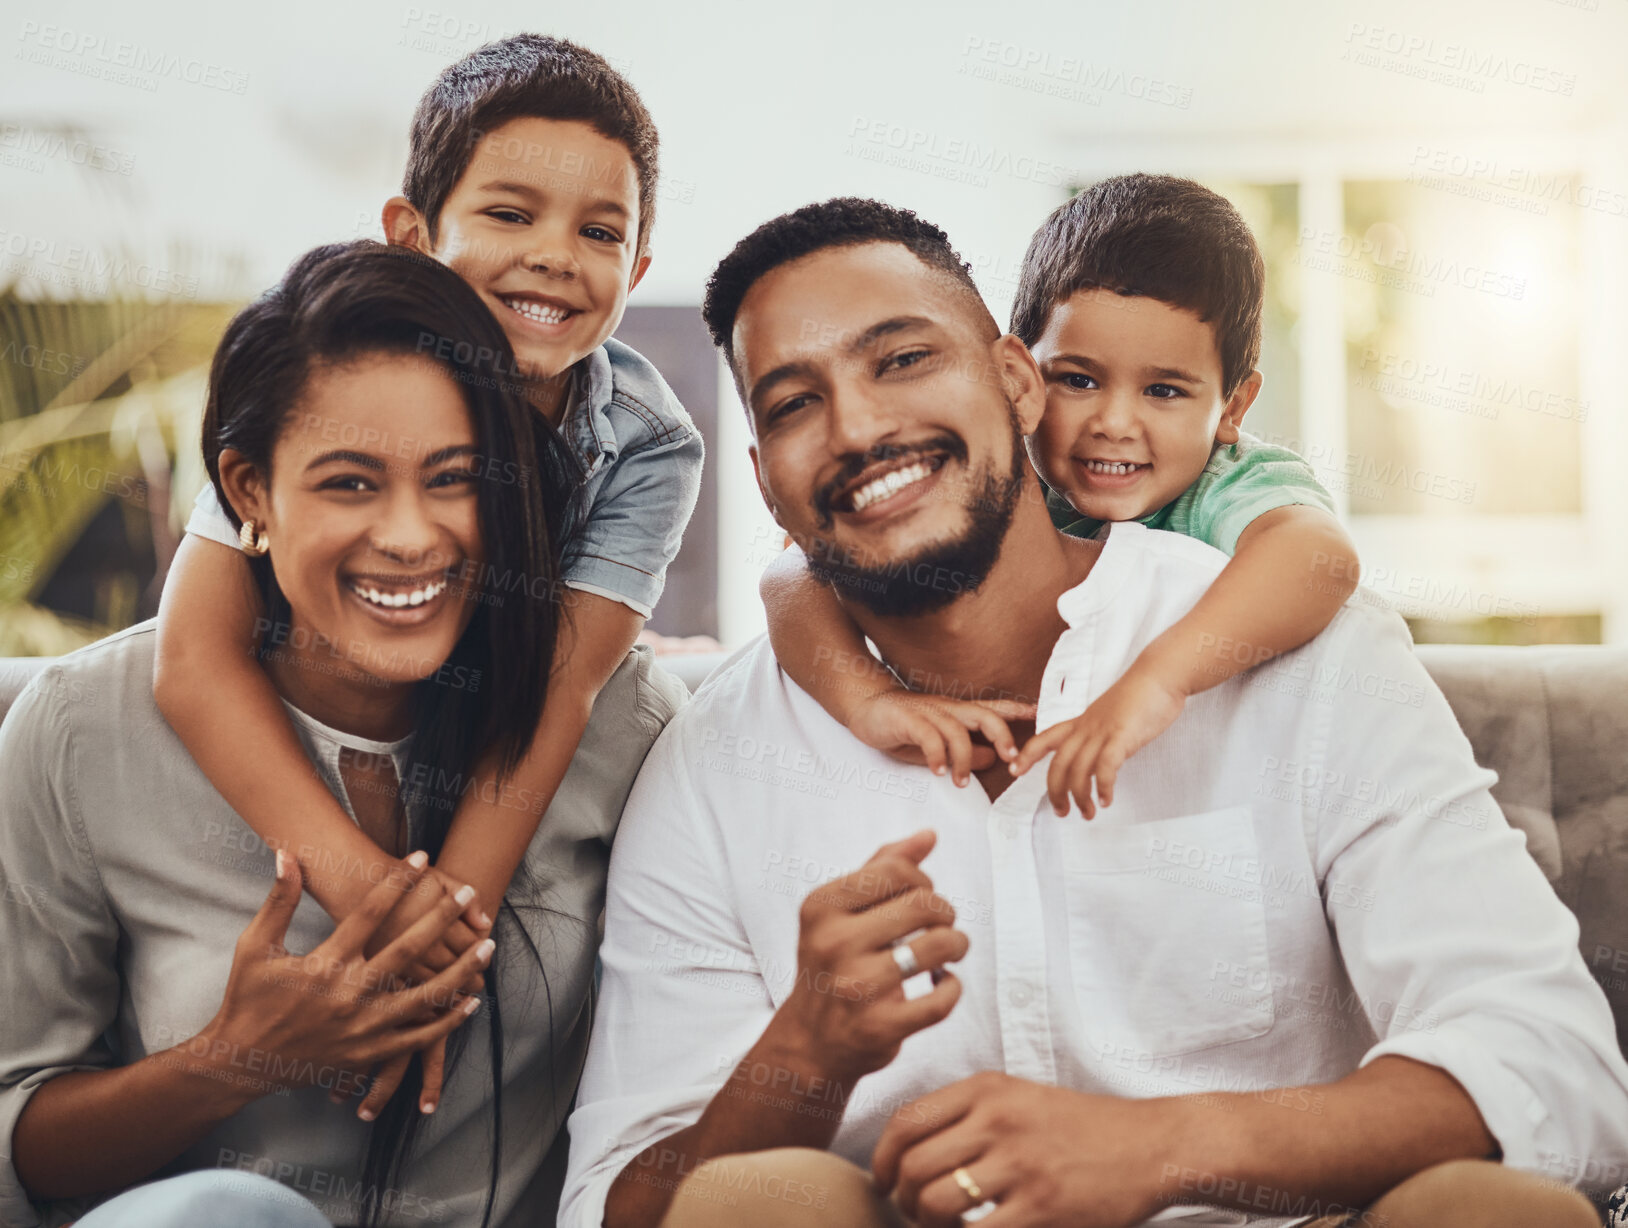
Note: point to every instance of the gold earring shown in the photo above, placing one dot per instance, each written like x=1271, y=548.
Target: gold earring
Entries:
x=253, y=543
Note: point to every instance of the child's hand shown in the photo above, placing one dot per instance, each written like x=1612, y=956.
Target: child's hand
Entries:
x=935, y=730
x=463, y=933
x=387, y=1078
x=426, y=894
x=1124, y=719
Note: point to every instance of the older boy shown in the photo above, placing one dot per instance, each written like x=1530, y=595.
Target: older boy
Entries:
x=532, y=173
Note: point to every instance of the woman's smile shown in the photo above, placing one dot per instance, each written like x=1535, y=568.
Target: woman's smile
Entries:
x=400, y=601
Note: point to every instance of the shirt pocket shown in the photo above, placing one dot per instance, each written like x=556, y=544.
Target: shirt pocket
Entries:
x=1160, y=914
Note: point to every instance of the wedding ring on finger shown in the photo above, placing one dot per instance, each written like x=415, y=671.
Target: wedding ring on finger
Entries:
x=906, y=959
x=969, y=1187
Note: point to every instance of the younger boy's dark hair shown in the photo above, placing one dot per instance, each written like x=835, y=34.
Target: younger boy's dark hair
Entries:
x=524, y=75
x=1156, y=235
x=842, y=221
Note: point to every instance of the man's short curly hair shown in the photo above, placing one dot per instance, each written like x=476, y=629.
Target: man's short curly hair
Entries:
x=843, y=221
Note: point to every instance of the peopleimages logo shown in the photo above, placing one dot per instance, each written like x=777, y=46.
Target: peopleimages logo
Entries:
x=1450, y=63
x=1068, y=77
x=1407, y=377
x=122, y=61
x=49, y=362
x=39, y=257
x=1488, y=179
x=30, y=143
x=741, y=754
x=1413, y=269
x=913, y=148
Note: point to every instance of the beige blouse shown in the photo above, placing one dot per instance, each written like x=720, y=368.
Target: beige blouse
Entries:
x=125, y=880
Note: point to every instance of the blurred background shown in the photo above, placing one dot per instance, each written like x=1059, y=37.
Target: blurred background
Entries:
x=1440, y=189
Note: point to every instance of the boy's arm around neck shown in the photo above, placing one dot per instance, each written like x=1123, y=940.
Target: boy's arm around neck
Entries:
x=816, y=642
x=230, y=718
x=494, y=824
x=1292, y=570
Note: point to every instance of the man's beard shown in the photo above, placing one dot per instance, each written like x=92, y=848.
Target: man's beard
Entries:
x=940, y=572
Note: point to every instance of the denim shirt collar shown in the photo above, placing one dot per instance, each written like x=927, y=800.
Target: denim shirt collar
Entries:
x=587, y=425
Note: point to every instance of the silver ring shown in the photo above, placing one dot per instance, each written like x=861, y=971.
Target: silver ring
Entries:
x=906, y=959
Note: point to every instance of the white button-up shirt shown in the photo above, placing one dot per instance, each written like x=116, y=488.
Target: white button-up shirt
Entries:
x=1304, y=872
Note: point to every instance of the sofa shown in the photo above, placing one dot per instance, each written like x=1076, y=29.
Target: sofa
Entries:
x=1552, y=721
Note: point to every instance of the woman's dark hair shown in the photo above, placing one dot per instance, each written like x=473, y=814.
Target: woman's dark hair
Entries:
x=349, y=301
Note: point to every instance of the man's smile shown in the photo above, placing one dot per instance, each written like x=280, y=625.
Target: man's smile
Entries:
x=888, y=478
x=882, y=483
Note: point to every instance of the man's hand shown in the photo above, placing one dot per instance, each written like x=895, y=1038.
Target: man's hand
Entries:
x=1124, y=719
x=932, y=729
x=1045, y=1155
x=845, y=1017
x=847, y=1012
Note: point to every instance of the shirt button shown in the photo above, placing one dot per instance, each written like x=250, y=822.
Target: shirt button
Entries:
x=1020, y=995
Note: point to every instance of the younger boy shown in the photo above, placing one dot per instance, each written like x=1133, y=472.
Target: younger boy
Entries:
x=532, y=173
x=1141, y=300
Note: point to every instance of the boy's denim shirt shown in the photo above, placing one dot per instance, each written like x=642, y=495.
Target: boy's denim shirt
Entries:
x=642, y=455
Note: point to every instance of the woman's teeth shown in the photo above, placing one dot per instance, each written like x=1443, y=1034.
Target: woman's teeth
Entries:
x=397, y=601
x=890, y=483
x=536, y=311
x=1112, y=466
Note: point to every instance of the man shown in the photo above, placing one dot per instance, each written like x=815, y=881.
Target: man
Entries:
x=1301, y=966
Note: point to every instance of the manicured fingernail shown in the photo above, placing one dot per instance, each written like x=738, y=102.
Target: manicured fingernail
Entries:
x=471, y=1006
x=426, y=1106
x=939, y=770
x=463, y=895
x=282, y=865
x=485, y=921
x=365, y=1114
x=484, y=951
x=419, y=860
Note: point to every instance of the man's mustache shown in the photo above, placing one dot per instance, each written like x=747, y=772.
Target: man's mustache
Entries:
x=852, y=464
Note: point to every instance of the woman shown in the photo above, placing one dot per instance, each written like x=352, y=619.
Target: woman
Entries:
x=155, y=1023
